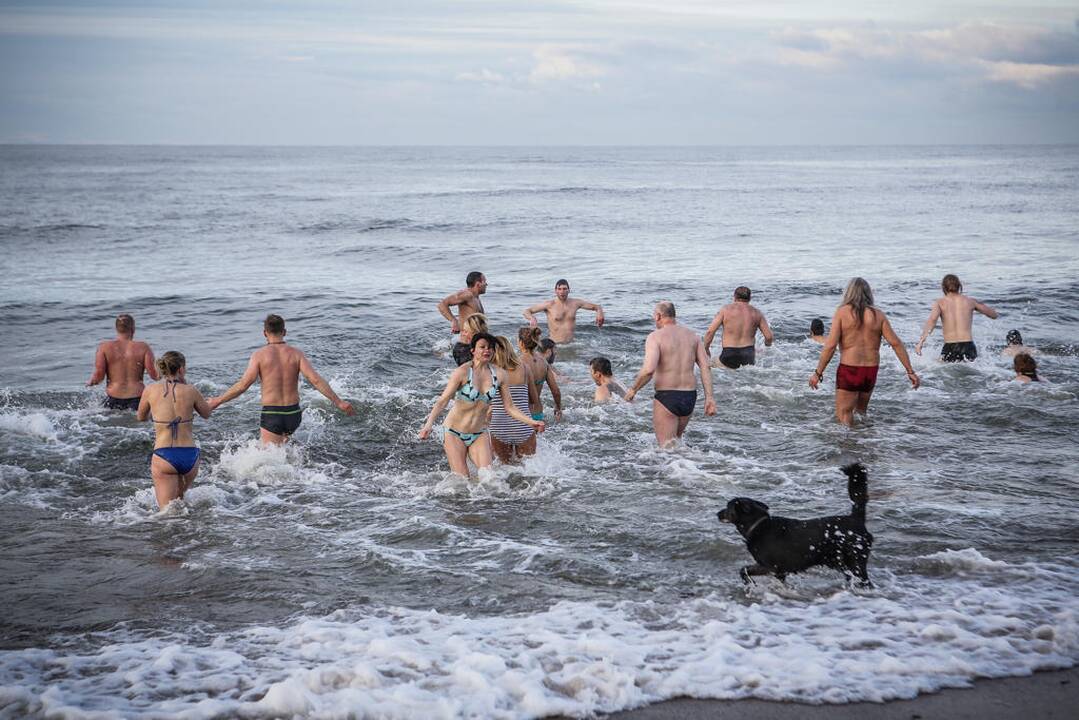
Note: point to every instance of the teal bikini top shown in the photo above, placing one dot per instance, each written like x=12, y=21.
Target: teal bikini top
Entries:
x=471, y=393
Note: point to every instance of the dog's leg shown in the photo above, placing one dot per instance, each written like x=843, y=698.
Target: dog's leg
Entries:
x=749, y=570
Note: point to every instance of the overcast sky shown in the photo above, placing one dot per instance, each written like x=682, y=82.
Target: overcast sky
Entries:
x=566, y=72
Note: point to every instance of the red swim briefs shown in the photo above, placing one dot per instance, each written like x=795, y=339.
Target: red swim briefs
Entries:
x=855, y=378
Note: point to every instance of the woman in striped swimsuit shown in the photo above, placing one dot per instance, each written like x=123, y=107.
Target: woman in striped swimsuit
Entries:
x=509, y=437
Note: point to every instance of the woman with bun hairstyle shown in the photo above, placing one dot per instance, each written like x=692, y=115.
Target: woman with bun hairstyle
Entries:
x=528, y=339
x=172, y=405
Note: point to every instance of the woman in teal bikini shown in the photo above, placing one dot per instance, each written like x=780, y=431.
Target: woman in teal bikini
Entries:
x=528, y=339
x=472, y=387
x=172, y=405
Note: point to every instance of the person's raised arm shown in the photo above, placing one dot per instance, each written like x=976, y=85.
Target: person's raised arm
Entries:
x=648, y=369
x=706, y=379
x=149, y=364
x=985, y=310
x=449, y=301
x=100, y=365
x=556, y=392
x=827, y=351
x=766, y=331
x=322, y=386
x=900, y=352
x=456, y=379
x=587, y=305
x=251, y=374
x=530, y=311
x=709, y=334
x=930, y=324
x=201, y=406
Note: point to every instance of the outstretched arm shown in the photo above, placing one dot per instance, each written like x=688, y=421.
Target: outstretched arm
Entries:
x=826, y=352
x=99, y=366
x=900, y=352
x=710, y=333
x=149, y=364
x=587, y=305
x=201, y=406
x=322, y=386
x=456, y=379
x=706, y=379
x=766, y=331
x=986, y=310
x=651, y=362
x=461, y=296
x=537, y=308
x=250, y=375
x=930, y=324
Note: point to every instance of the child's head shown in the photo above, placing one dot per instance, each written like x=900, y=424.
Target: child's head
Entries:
x=600, y=367
x=1024, y=365
x=1014, y=337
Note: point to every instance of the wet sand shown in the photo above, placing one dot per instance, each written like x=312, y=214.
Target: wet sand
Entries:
x=1042, y=696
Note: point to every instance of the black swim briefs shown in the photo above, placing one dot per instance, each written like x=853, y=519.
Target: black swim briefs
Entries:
x=958, y=351
x=112, y=403
x=462, y=353
x=281, y=419
x=735, y=358
x=678, y=402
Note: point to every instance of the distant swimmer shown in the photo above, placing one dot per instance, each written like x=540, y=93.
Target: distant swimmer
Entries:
x=670, y=352
x=562, y=313
x=1015, y=345
x=528, y=340
x=278, y=367
x=740, y=322
x=472, y=388
x=607, y=388
x=857, y=329
x=816, y=331
x=1026, y=369
x=123, y=361
x=956, y=314
x=462, y=349
x=466, y=300
x=510, y=438
x=172, y=405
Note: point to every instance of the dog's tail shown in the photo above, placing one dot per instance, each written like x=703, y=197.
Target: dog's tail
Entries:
x=857, y=488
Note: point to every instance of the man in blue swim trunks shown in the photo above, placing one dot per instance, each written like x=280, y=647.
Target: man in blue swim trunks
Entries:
x=278, y=367
x=122, y=362
x=670, y=352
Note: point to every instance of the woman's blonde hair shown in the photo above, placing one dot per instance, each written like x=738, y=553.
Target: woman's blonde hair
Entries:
x=505, y=357
x=475, y=323
x=171, y=363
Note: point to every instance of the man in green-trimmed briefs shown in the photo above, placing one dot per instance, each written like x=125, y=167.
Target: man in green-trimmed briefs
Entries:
x=278, y=367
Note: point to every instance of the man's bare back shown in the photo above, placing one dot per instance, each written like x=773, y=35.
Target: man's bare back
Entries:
x=123, y=362
x=956, y=314
x=740, y=322
x=279, y=373
x=677, y=346
x=562, y=313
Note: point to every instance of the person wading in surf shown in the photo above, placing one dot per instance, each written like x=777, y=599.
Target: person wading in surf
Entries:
x=123, y=361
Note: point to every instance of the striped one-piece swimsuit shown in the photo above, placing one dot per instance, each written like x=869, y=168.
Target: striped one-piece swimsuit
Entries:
x=504, y=427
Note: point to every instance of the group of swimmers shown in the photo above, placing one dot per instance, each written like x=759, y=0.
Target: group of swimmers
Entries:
x=496, y=389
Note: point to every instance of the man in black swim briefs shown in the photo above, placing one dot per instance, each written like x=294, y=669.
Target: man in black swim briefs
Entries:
x=670, y=352
x=278, y=367
x=740, y=322
x=123, y=362
x=955, y=311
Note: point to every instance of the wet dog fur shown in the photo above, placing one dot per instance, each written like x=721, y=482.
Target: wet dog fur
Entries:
x=784, y=545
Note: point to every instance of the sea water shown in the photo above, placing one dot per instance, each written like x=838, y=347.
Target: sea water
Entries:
x=350, y=574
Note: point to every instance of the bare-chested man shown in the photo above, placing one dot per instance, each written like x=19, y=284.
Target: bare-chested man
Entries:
x=670, y=352
x=562, y=313
x=278, y=367
x=956, y=314
x=740, y=322
x=123, y=361
x=468, y=302
x=857, y=329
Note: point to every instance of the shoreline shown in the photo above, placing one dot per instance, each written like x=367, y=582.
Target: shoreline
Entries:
x=1046, y=695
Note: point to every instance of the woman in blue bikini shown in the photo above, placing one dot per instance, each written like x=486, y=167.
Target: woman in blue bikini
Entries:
x=472, y=387
x=172, y=405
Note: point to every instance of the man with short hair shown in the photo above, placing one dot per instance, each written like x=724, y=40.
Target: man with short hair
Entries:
x=816, y=331
x=278, y=367
x=123, y=361
x=956, y=314
x=857, y=329
x=740, y=322
x=467, y=300
x=670, y=352
x=562, y=313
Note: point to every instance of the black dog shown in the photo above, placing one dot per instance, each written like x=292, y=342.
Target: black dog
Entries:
x=783, y=545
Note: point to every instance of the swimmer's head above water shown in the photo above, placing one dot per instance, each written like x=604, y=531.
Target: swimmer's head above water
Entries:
x=816, y=327
x=547, y=349
x=125, y=325
x=1014, y=338
x=600, y=367
x=742, y=293
x=951, y=284
x=273, y=325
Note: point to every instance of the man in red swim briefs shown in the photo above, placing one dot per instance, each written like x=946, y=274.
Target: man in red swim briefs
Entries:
x=857, y=329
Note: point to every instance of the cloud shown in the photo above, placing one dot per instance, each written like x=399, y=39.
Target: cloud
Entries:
x=558, y=64
x=1028, y=75
x=484, y=76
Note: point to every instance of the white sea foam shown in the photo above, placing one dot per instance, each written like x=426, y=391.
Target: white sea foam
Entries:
x=572, y=659
x=35, y=424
